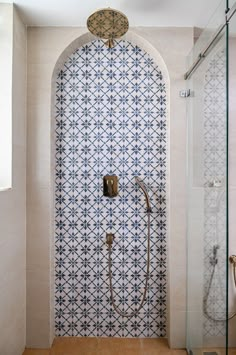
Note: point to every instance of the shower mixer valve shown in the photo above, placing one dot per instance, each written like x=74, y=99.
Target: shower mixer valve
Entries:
x=110, y=185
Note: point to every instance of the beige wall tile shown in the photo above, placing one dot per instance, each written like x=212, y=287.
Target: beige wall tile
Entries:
x=13, y=211
x=177, y=337
x=38, y=330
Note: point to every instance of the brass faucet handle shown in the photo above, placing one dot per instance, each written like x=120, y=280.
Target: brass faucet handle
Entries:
x=232, y=259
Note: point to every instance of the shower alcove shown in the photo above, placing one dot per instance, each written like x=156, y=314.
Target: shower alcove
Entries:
x=109, y=117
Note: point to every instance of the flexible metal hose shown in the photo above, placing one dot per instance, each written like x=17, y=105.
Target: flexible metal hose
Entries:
x=125, y=314
x=208, y=293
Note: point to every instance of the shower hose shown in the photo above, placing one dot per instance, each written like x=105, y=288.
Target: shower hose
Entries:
x=121, y=313
x=205, y=301
x=125, y=314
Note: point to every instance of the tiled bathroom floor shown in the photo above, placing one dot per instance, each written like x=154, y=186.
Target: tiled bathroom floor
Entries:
x=107, y=346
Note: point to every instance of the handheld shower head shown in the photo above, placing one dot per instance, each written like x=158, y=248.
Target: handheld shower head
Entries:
x=143, y=188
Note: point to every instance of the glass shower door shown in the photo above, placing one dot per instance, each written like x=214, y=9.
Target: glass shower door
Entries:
x=232, y=177
x=207, y=299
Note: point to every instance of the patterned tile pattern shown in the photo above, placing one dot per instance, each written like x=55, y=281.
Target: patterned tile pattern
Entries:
x=215, y=198
x=110, y=119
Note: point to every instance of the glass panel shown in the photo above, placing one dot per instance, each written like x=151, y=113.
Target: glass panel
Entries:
x=231, y=3
x=232, y=177
x=204, y=37
x=207, y=204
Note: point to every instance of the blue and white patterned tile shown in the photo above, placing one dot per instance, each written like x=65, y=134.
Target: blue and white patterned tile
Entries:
x=136, y=327
x=105, y=126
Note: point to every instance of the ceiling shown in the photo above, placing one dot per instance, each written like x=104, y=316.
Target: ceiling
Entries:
x=176, y=13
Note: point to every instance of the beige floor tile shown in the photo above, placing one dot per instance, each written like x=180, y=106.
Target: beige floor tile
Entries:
x=73, y=344
x=154, y=344
x=132, y=352
x=36, y=352
x=107, y=346
x=179, y=352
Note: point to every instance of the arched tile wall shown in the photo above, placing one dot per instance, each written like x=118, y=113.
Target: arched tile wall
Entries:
x=110, y=119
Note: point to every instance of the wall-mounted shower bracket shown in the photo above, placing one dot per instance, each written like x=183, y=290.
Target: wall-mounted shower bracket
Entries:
x=109, y=238
x=184, y=93
x=215, y=183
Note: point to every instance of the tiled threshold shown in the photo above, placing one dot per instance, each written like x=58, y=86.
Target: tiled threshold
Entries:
x=107, y=346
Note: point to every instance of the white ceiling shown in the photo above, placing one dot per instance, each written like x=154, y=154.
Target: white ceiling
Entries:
x=179, y=13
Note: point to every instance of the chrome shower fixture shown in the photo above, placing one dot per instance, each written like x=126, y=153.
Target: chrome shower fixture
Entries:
x=108, y=24
x=214, y=258
x=214, y=262
x=215, y=183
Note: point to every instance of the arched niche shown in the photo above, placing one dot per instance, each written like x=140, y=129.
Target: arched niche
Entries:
x=69, y=327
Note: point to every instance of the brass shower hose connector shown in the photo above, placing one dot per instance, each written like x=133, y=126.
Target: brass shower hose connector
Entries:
x=232, y=259
x=109, y=238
